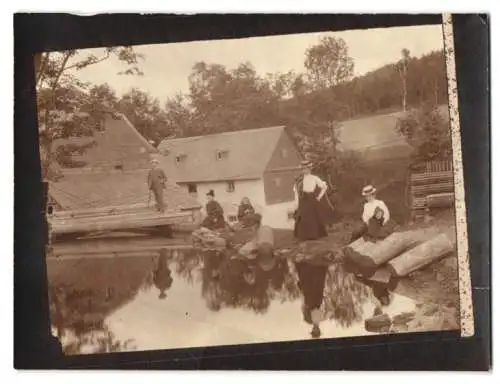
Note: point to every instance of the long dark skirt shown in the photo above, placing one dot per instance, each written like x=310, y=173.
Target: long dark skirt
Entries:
x=309, y=223
x=212, y=223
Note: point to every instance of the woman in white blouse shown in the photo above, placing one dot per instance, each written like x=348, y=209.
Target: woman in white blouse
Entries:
x=309, y=189
x=375, y=212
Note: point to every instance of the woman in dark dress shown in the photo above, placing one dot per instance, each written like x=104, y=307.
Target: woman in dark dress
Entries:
x=245, y=212
x=312, y=279
x=215, y=213
x=309, y=189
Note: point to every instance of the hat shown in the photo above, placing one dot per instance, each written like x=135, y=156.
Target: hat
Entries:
x=306, y=163
x=154, y=161
x=368, y=190
x=211, y=193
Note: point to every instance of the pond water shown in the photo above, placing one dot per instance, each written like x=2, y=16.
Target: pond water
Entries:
x=147, y=293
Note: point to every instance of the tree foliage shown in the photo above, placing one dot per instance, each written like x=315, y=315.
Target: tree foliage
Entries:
x=428, y=133
x=66, y=108
x=328, y=63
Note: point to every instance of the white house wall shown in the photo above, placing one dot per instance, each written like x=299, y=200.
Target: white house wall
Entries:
x=253, y=189
x=275, y=215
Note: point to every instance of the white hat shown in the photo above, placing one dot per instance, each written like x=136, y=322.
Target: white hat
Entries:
x=368, y=190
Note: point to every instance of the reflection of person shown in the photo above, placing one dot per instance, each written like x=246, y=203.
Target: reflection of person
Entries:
x=156, y=184
x=245, y=212
x=308, y=221
x=215, y=213
x=162, y=275
x=375, y=217
x=312, y=284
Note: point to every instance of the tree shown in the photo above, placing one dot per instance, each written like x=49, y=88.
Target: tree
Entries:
x=328, y=63
x=145, y=113
x=62, y=99
x=402, y=67
x=428, y=133
x=224, y=100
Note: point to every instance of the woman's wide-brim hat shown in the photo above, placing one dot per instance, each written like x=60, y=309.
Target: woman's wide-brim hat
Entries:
x=306, y=163
x=368, y=190
x=211, y=193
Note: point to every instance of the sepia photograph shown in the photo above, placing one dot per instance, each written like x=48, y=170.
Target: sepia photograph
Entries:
x=253, y=190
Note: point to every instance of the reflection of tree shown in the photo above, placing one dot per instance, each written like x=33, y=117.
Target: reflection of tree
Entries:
x=344, y=296
x=99, y=341
x=186, y=261
x=84, y=292
x=236, y=283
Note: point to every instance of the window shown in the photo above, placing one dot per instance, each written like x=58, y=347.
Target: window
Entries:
x=180, y=158
x=232, y=218
x=284, y=153
x=230, y=186
x=192, y=188
x=290, y=215
x=222, y=155
x=119, y=167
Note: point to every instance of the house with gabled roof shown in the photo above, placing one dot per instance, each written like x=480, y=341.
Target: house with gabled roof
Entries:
x=111, y=172
x=260, y=164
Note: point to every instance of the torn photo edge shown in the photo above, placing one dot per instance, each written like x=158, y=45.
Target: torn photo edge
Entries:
x=465, y=288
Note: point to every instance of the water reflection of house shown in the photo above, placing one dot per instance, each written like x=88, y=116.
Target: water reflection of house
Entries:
x=258, y=163
x=83, y=292
x=111, y=171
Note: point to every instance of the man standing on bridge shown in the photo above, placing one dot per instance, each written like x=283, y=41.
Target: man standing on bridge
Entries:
x=156, y=184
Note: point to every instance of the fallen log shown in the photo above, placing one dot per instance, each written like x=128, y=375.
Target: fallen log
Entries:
x=368, y=255
x=422, y=255
x=440, y=200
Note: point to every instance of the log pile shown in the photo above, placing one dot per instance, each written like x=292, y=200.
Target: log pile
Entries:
x=432, y=189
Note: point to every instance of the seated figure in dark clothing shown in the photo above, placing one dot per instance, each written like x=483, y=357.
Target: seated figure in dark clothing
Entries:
x=375, y=223
x=245, y=212
x=215, y=213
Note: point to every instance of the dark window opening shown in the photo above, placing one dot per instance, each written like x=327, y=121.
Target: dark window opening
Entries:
x=230, y=186
x=119, y=167
x=192, y=188
x=222, y=155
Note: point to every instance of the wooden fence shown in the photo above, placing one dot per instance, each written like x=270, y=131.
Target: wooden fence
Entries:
x=431, y=186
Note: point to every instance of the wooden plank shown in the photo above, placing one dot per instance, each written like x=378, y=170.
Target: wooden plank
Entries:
x=424, y=178
x=422, y=255
x=118, y=222
x=443, y=187
x=440, y=200
x=111, y=210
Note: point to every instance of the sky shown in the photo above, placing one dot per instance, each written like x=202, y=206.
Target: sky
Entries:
x=166, y=67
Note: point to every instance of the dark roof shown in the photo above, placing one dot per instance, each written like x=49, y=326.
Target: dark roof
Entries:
x=80, y=189
x=248, y=153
